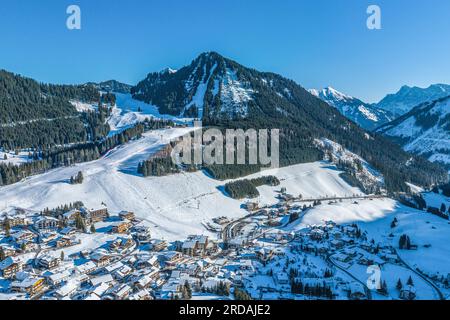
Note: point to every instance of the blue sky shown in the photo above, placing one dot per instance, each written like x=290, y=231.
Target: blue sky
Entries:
x=317, y=43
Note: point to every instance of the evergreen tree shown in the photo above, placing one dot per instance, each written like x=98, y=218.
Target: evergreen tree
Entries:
x=7, y=227
x=2, y=254
x=410, y=281
x=80, y=224
x=399, y=285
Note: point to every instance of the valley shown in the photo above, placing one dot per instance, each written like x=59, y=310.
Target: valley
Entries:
x=86, y=225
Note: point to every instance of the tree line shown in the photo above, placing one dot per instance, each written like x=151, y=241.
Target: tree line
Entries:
x=247, y=188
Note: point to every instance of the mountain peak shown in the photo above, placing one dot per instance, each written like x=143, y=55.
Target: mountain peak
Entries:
x=330, y=93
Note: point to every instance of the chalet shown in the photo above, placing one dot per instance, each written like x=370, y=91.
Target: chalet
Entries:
x=172, y=257
x=101, y=258
x=13, y=221
x=158, y=245
x=264, y=254
x=49, y=262
x=46, y=223
x=221, y=220
x=101, y=288
x=98, y=215
x=122, y=291
x=23, y=235
x=8, y=251
x=279, y=252
x=142, y=295
x=71, y=216
x=337, y=244
x=121, y=244
x=390, y=257
x=67, y=290
x=143, y=282
x=68, y=231
x=9, y=267
x=317, y=234
x=250, y=206
x=26, y=246
x=211, y=248
x=48, y=237
x=147, y=262
x=350, y=252
x=58, y=278
x=142, y=234
x=342, y=257
x=63, y=242
x=121, y=227
x=357, y=292
x=336, y=234
x=29, y=285
x=281, y=278
x=122, y=273
x=408, y=293
x=127, y=215
x=86, y=268
x=189, y=248
x=350, y=230
x=104, y=279
x=202, y=242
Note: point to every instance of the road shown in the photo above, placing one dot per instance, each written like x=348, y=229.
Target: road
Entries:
x=419, y=274
x=366, y=289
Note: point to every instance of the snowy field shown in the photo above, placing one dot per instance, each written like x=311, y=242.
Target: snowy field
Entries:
x=429, y=232
x=13, y=158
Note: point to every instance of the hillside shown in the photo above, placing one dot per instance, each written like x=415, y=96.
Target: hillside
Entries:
x=40, y=115
x=366, y=115
x=228, y=95
x=173, y=206
x=425, y=130
x=112, y=86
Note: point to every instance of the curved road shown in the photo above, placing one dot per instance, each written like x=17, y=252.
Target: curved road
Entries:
x=366, y=289
x=441, y=296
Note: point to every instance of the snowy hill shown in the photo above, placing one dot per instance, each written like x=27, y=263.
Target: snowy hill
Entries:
x=174, y=206
x=366, y=115
x=409, y=97
x=424, y=130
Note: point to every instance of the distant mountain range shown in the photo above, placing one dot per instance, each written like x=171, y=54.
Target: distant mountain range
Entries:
x=408, y=98
x=367, y=115
x=417, y=119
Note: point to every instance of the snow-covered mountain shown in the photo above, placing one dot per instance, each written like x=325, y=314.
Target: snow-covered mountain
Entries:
x=210, y=84
x=227, y=94
x=424, y=130
x=366, y=115
x=409, y=97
